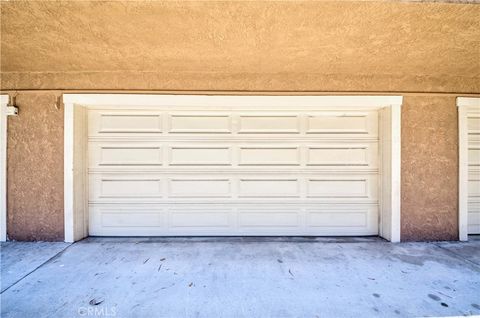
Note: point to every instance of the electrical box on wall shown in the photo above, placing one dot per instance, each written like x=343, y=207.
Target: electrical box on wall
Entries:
x=12, y=110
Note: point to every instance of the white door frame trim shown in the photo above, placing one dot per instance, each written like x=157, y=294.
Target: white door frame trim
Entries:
x=463, y=104
x=3, y=167
x=75, y=184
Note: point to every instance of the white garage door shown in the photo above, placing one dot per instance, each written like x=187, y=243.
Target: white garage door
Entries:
x=473, y=121
x=233, y=171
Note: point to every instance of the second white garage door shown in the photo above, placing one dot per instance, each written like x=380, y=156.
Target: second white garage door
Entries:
x=473, y=124
x=233, y=171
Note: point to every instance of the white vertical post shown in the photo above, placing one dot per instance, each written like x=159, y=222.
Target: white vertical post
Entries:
x=462, y=174
x=3, y=167
x=395, y=131
x=68, y=172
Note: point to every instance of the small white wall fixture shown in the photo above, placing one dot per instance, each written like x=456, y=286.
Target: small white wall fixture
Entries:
x=465, y=105
x=3, y=167
x=75, y=142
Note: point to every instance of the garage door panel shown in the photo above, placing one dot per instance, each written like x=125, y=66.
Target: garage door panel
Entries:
x=125, y=154
x=344, y=217
x=198, y=123
x=474, y=186
x=233, y=172
x=256, y=218
x=200, y=187
x=474, y=154
x=473, y=124
x=474, y=216
x=269, y=156
x=127, y=122
x=353, y=188
x=201, y=219
x=473, y=183
x=200, y=155
x=268, y=124
x=342, y=123
x=269, y=187
x=125, y=187
x=352, y=154
x=114, y=220
x=236, y=154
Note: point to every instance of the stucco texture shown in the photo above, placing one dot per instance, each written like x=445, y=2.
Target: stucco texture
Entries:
x=429, y=168
x=35, y=169
x=241, y=45
x=422, y=50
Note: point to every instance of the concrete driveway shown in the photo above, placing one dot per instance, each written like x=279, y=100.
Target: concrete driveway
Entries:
x=234, y=277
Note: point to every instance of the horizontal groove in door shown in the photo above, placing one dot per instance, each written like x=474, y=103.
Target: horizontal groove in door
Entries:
x=184, y=137
x=246, y=169
x=244, y=201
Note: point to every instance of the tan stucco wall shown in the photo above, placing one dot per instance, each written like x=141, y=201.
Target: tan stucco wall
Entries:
x=429, y=168
x=422, y=50
x=241, y=45
x=35, y=169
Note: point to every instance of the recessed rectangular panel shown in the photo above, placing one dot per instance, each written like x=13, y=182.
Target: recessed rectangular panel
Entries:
x=200, y=124
x=134, y=187
x=474, y=187
x=268, y=124
x=473, y=122
x=269, y=156
x=474, y=218
x=130, y=123
x=337, y=156
x=336, y=218
x=268, y=188
x=130, y=155
x=340, y=123
x=194, y=156
x=199, y=187
x=196, y=219
x=355, y=188
x=133, y=219
x=255, y=218
x=474, y=155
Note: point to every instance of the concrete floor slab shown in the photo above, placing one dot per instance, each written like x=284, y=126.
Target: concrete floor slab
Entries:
x=468, y=250
x=18, y=259
x=249, y=278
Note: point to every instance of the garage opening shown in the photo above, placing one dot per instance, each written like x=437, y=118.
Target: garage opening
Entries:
x=469, y=166
x=190, y=165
